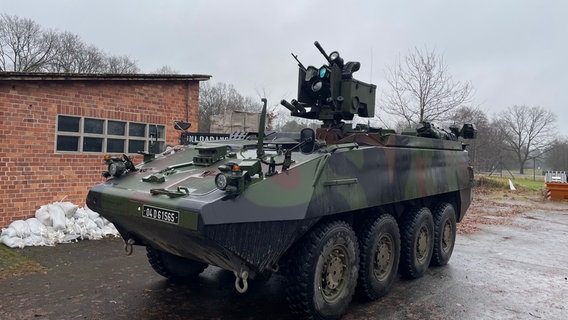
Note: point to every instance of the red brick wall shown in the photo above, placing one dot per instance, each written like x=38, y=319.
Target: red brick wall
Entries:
x=32, y=173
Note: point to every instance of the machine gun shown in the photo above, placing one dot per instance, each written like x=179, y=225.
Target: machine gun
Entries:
x=330, y=93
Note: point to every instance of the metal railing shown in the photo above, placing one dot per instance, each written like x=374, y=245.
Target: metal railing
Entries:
x=555, y=176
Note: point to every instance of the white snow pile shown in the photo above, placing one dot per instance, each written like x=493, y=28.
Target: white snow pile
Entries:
x=59, y=222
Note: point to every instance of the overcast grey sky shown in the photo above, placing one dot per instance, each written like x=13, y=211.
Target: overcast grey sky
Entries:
x=515, y=52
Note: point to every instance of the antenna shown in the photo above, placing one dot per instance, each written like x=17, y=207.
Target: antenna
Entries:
x=371, y=72
x=261, y=126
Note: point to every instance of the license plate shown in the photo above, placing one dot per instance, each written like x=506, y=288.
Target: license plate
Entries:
x=160, y=214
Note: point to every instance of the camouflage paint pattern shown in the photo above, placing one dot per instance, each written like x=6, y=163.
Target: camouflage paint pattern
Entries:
x=256, y=227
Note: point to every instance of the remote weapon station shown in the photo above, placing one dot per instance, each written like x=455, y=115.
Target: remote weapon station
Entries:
x=339, y=210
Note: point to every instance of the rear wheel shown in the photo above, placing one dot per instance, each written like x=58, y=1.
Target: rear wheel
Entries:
x=379, y=241
x=321, y=275
x=173, y=267
x=444, y=234
x=417, y=233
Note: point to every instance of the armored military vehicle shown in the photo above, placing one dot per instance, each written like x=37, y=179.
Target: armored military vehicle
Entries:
x=340, y=210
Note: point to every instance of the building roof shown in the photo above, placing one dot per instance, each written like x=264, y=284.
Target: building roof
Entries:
x=101, y=76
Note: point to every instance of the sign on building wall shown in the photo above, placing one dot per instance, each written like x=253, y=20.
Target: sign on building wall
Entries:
x=193, y=137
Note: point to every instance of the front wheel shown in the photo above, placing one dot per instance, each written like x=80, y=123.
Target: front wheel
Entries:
x=173, y=267
x=321, y=275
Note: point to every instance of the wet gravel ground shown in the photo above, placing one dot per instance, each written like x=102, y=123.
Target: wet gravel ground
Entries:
x=513, y=271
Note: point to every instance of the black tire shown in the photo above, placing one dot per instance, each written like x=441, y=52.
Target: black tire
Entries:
x=417, y=242
x=321, y=274
x=444, y=234
x=173, y=267
x=379, y=243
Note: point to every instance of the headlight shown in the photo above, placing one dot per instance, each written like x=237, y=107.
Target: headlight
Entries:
x=311, y=72
x=335, y=58
x=116, y=168
x=317, y=86
x=221, y=181
x=334, y=55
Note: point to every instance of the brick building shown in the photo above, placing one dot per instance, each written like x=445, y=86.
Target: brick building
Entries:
x=56, y=128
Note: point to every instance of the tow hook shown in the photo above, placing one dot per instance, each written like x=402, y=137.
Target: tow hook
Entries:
x=128, y=246
x=243, y=276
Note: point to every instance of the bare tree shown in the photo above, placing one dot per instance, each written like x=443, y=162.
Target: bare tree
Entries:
x=420, y=89
x=220, y=98
x=557, y=157
x=93, y=60
x=68, y=48
x=527, y=131
x=72, y=55
x=121, y=64
x=165, y=70
x=487, y=149
x=24, y=46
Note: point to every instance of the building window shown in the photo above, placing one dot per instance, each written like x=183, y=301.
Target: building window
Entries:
x=68, y=124
x=83, y=134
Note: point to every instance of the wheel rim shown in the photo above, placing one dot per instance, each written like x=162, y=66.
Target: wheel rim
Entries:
x=333, y=273
x=383, y=257
x=447, y=237
x=423, y=244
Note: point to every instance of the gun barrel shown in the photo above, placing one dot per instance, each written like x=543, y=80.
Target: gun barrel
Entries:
x=320, y=48
x=288, y=105
x=299, y=62
x=298, y=105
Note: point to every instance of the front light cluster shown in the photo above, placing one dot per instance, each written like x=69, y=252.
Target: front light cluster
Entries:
x=234, y=177
x=231, y=178
x=117, y=166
